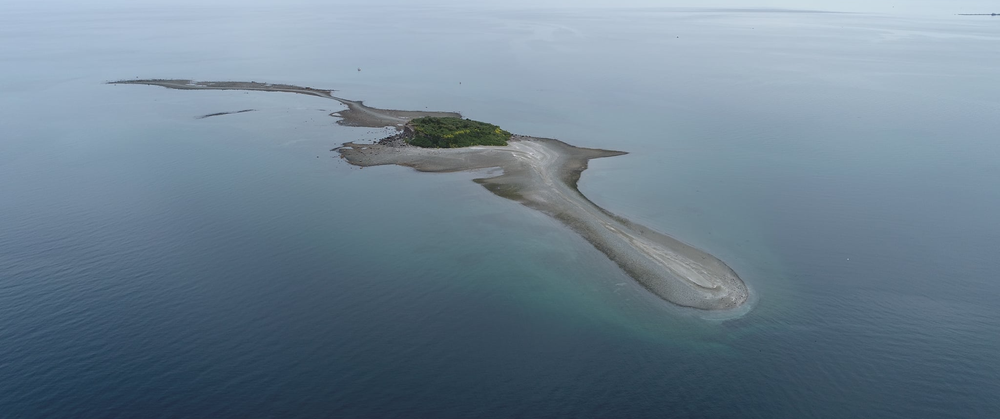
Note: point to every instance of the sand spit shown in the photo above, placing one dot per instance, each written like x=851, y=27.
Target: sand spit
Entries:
x=357, y=113
x=182, y=84
x=541, y=174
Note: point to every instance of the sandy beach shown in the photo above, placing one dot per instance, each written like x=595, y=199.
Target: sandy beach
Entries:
x=541, y=174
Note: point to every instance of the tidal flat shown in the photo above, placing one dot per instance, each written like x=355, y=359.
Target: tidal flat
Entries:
x=541, y=174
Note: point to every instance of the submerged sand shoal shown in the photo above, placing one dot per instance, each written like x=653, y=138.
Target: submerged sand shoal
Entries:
x=541, y=174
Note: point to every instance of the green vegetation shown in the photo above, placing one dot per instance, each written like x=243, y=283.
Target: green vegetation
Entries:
x=450, y=132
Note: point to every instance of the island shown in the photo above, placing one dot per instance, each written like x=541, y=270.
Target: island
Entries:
x=451, y=132
x=540, y=173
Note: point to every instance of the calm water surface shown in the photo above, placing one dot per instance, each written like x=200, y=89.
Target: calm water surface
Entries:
x=157, y=265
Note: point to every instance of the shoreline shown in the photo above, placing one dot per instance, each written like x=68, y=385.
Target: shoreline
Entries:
x=541, y=174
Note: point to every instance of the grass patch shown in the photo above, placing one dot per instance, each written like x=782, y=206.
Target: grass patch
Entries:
x=451, y=132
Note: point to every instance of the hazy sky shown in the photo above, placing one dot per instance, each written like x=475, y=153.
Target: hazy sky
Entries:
x=878, y=6
x=902, y=6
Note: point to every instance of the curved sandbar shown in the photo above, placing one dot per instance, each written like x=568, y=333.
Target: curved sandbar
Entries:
x=541, y=174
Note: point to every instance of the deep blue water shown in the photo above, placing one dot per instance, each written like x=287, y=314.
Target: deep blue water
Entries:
x=157, y=265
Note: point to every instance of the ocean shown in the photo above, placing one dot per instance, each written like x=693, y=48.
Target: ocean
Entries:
x=157, y=265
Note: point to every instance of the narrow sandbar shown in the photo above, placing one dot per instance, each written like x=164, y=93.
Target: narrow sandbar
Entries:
x=224, y=113
x=357, y=113
x=542, y=174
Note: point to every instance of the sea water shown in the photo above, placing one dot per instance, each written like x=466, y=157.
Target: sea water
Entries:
x=153, y=264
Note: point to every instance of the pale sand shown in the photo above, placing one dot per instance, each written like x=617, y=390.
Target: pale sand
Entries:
x=541, y=174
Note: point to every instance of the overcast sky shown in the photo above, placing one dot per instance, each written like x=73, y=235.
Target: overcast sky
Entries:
x=881, y=6
x=936, y=7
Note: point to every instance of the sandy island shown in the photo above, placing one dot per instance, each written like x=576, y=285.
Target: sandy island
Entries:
x=542, y=174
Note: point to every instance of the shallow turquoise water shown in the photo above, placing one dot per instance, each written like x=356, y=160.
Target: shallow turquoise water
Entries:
x=157, y=265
